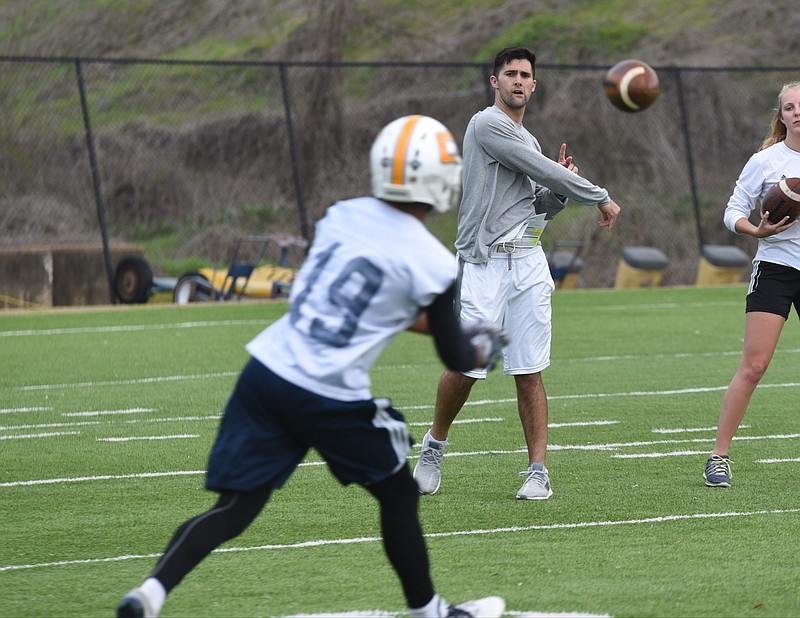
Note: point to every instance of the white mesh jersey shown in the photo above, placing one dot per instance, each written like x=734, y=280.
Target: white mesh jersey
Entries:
x=370, y=270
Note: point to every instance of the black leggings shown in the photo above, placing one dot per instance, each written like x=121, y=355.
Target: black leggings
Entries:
x=234, y=511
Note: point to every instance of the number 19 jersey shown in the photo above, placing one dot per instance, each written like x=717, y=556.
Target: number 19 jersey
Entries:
x=370, y=270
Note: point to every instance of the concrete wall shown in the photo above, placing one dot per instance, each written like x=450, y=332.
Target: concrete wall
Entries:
x=57, y=275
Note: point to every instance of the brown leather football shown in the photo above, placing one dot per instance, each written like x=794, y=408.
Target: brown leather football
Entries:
x=631, y=85
x=782, y=199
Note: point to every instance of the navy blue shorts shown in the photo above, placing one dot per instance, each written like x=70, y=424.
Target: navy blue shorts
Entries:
x=774, y=288
x=270, y=424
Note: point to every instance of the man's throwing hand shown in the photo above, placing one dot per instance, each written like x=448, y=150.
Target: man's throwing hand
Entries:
x=610, y=212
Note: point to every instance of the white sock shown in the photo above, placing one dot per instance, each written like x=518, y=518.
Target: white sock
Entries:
x=435, y=442
x=431, y=610
x=155, y=592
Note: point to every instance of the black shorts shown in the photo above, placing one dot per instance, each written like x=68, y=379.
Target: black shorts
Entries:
x=774, y=288
x=270, y=424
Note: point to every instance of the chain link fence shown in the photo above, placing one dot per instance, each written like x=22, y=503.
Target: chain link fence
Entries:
x=182, y=159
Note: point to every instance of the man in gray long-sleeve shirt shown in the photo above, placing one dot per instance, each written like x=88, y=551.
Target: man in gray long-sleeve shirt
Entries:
x=510, y=192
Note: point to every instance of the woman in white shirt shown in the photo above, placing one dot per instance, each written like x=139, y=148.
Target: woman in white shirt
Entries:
x=775, y=281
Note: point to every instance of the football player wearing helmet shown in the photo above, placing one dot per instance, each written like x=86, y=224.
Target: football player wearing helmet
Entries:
x=373, y=271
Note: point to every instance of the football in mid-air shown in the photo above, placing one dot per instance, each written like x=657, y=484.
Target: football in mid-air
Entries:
x=782, y=199
x=631, y=85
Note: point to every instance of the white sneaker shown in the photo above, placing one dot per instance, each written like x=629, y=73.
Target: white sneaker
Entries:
x=135, y=604
x=428, y=471
x=536, y=485
x=488, y=607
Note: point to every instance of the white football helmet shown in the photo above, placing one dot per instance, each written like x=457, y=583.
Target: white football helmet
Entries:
x=416, y=159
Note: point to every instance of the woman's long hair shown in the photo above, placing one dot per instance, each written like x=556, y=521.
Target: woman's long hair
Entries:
x=777, y=130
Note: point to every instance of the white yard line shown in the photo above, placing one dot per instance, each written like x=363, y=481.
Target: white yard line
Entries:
x=692, y=429
x=108, y=412
x=47, y=332
x=465, y=421
x=197, y=376
x=18, y=410
x=657, y=455
x=52, y=434
x=665, y=519
x=136, y=438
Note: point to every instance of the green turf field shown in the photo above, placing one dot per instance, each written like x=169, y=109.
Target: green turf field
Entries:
x=107, y=416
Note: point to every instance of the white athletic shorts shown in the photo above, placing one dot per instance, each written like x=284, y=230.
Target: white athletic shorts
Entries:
x=514, y=294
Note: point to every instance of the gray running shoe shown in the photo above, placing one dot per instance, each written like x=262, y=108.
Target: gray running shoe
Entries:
x=536, y=485
x=135, y=604
x=428, y=471
x=718, y=471
x=488, y=607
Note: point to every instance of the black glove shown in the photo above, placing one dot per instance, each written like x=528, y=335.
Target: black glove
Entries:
x=488, y=341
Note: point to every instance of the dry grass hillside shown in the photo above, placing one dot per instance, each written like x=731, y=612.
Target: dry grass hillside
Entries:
x=160, y=157
x=687, y=33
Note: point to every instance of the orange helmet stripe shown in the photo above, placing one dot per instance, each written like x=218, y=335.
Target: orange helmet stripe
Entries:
x=399, y=159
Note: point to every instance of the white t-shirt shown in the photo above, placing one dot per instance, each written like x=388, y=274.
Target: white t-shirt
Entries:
x=370, y=270
x=764, y=169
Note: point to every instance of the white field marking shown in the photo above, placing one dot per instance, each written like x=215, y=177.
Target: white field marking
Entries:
x=720, y=303
x=462, y=422
x=378, y=613
x=135, y=438
x=107, y=412
x=51, y=434
x=174, y=419
x=555, y=447
x=107, y=477
x=620, y=445
x=215, y=417
x=432, y=535
x=681, y=391
x=47, y=425
x=199, y=376
x=583, y=424
x=615, y=446
x=623, y=357
x=114, y=477
x=657, y=455
x=13, y=410
x=554, y=615
x=494, y=420
x=130, y=328
x=692, y=429
x=769, y=461
x=356, y=613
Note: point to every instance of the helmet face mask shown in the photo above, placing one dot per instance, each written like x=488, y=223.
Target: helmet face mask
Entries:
x=416, y=159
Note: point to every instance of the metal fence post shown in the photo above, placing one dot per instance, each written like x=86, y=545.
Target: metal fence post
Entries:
x=689, y=161
x=98, y=194
x=293, y=153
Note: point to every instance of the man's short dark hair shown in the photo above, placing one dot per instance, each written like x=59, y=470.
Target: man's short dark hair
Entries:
x=504, y=56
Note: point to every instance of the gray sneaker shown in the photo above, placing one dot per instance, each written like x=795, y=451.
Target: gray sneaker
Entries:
x=488, y=607
x=536, y=485
x=135, y=604
x=718, y=471
x=428, y=471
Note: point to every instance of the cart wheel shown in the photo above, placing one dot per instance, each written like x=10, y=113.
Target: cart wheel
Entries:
x=133, y=280
x=191, y=288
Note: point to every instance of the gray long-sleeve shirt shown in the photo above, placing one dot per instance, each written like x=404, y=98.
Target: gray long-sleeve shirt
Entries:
x=506, y=180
